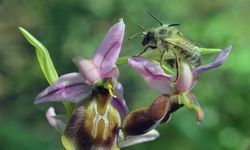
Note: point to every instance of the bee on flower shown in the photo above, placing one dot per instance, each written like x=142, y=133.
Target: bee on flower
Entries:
x=100, y=118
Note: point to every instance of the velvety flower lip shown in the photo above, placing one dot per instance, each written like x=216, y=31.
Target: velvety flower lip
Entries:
x=219, y=60
x=153, y=74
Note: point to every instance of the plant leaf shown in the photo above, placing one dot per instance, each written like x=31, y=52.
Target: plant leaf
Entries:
x=43, y=56
x=46, y=64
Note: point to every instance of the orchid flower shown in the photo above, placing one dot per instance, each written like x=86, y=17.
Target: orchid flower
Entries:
x=100, y=111
x=180, y=89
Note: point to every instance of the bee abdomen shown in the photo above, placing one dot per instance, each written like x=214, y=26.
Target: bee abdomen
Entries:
x=193, y=58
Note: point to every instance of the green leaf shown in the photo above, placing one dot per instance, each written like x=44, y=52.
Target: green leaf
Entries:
x=207, y=51
x=46, y=65
x=43, y=57
x=67, y=143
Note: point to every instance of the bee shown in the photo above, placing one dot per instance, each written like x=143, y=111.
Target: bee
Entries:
x=169, y=40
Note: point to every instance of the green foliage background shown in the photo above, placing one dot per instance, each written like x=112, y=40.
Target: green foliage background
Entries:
x=70, y=28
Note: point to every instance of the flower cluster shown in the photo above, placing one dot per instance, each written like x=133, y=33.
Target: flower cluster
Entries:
x=97, y=114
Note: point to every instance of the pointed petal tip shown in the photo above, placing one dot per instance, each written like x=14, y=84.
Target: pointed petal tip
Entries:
x=219, y=60
x=108, y=51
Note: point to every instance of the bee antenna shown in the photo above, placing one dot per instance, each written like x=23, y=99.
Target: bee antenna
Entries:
x=135, y=35
x=155, y=18
x=174, y=24
x=141, y=28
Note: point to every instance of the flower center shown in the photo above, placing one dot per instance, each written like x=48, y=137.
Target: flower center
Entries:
x=100, y=121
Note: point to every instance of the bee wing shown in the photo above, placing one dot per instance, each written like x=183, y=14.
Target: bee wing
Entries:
x=183, y=43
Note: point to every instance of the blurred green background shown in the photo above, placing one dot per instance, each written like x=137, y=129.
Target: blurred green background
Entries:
x=70, y=28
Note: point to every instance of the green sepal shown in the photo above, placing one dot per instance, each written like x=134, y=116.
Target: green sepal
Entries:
x=69, y=107
x=46, y=65
x=188, y=100
x=67, y=143
x=207, y=51
x=43, y=57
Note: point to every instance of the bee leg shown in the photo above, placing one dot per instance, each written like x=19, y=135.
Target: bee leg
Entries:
x=177, y=68
x=162, y=57
x=145, y=49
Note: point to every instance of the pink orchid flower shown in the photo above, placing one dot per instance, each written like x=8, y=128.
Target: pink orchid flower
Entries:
x=81, y=87
x=155, y=76
x=75, y=87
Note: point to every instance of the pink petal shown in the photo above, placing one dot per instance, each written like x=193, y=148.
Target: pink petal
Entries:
x=107, y=53
x=54, y=121
x=119, y=102
x=185, y=78
x=113, y=73
x=88, y=69
x=70, y=87
x=132, y=140
x=219, y=60
x=153, y=74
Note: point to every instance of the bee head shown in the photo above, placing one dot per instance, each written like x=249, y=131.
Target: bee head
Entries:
x=148, y=38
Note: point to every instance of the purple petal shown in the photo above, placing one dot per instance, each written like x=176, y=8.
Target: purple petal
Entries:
x=132, y=140
x=185, y=78
x=219, y=60
x=54, y=121
x=153, y=74
x=88, y=69
x=70, y=87
x=113, y=73
x=107, y=53
x=119, y=102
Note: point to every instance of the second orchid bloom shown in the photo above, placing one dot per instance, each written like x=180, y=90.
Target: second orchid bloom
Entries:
x=178, y=86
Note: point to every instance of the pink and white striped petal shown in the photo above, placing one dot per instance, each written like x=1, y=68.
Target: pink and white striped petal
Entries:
x=69, y=87
x=219, y=60
x=88, y=69
x=153, y=74
x=185, y=78
x=107, y=53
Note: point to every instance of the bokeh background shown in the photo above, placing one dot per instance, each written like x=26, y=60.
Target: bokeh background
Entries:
x=71, y=28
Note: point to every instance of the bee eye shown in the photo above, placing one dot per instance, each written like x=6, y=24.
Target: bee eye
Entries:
x=148, y=38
